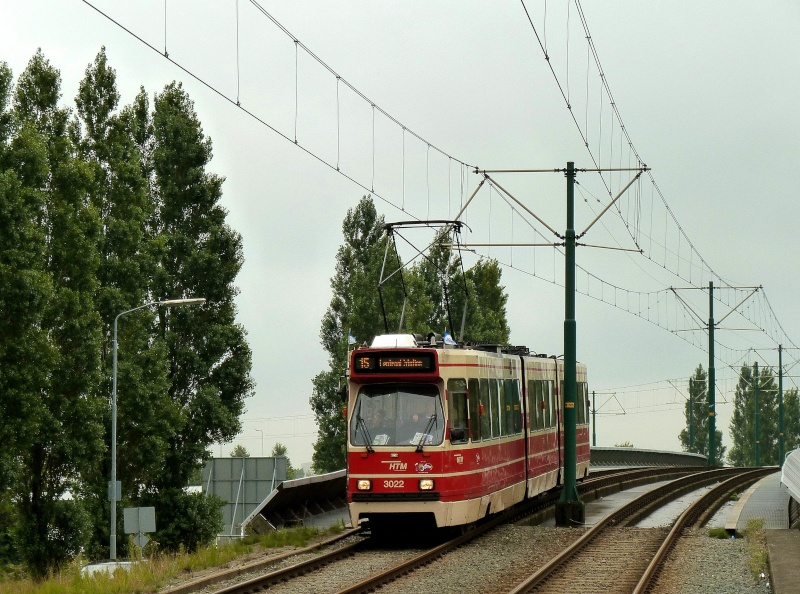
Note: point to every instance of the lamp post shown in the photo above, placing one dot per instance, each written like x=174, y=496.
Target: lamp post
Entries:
x=262, y=441
x=112, y=486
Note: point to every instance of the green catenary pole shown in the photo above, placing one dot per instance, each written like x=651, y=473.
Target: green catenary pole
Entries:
x=781, y=437
x=712, y=380
x=691, y=417
x=758, y=417
x=570, y=509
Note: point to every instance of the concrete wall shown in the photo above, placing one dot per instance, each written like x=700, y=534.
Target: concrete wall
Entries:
x=613, y=456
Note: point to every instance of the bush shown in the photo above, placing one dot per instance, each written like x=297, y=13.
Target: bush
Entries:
x=68, y=528
x=185, y=520
x=9, y=555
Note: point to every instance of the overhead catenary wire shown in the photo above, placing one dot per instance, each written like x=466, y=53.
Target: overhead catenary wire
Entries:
x=630, y=300
x=615, y=115
x=254, y=116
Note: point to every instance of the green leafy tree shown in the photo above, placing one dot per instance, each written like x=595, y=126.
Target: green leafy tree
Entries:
x=280, y=451
x=791, y=420
x=355, y=307
x=26, y=288
x=120, y=193
x=440, y=287
x=433, y=283
x=328, y=406
x=696, y=412
x=743, y=423
x=437, y=289
x=101, y=211
x=239, y=451
x=198, y=254
x=486, y=311
x=61, y=430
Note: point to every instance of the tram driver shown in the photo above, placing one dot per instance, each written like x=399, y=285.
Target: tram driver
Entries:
x=380, y=429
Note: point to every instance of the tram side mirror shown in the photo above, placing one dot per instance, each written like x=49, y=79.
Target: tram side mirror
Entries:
x=343, y=392
x=458, y=435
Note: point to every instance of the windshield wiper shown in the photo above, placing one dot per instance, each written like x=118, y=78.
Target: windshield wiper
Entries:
x=425, y=434
x=360, y=423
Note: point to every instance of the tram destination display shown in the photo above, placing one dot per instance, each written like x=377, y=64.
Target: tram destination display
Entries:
x=394, y=362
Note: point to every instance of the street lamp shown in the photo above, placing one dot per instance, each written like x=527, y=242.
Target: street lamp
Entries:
x=262, y=441
x=112, y=487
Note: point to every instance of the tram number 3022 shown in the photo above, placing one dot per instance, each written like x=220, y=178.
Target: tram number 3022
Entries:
x=393, y=484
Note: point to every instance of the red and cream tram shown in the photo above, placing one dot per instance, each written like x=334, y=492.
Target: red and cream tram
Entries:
x=446, y=435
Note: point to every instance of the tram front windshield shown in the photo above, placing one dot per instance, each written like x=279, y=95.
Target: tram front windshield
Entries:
x=396, y=414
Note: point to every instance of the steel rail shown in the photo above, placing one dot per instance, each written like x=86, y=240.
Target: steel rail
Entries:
x=591, y=487
x=221, y=576
x=637, y=508
x=605, y=482
x=695, y=515
x=258, y=583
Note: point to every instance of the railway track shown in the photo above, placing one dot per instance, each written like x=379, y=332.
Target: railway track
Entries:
x=378, y=566
x=269, y=561
x=365, y=566
x=614, y=557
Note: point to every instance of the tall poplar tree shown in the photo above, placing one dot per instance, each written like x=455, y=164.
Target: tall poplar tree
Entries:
x=62, y=414
x=198, y=255
x=791, y=420
x=355, y=308
x=103, y=210
x=120, y=193
x=743, y=422
x=696, y=412
x=25, y=289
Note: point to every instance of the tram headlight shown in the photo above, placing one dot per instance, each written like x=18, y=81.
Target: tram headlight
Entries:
x=364, y=485
x=426, y=484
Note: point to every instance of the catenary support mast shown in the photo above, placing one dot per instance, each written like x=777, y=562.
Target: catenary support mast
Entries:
x=570, y=509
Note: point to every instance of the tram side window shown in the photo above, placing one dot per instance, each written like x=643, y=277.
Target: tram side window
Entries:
x=493, y=408
x=541, y=404
x=533, y=409
x=552, y=404
x=502, y=407
x=457, y=409
x=474, y=417
x=516, y=406
x=583, y=403
x=508, y=407
x=537, y=403
x=587, y=404
x=511, y=386
x=486, y=432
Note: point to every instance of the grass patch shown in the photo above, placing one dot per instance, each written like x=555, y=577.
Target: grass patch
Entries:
x=295, y=537
x=720, y=533
x=158, y=570
x=757, y=555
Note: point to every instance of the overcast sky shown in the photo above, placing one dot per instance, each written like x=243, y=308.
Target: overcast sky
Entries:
x=707, y=93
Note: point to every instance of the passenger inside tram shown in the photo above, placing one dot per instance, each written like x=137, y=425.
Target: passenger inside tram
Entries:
x=392, y=415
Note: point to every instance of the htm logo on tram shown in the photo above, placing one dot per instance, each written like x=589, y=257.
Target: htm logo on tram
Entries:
x=396, y=465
